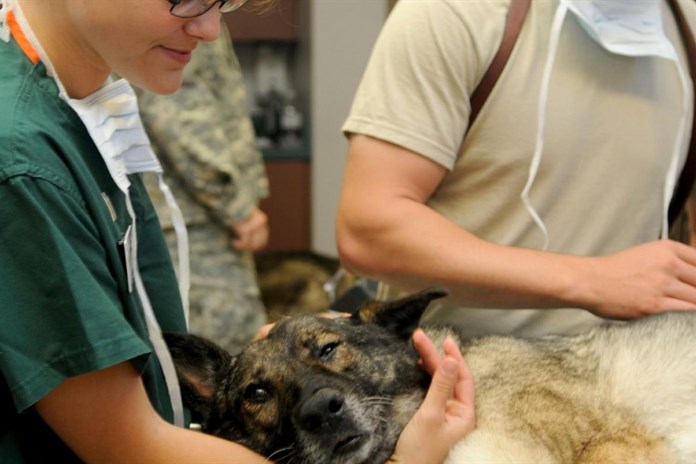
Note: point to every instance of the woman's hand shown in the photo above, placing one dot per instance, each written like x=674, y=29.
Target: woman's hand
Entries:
x=447, y=413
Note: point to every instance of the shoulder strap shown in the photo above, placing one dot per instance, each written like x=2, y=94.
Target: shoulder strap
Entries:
x=513, y=25
x=688, y=174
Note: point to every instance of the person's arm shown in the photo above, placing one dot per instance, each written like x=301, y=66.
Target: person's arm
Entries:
x=106, y=416
x=386, y=231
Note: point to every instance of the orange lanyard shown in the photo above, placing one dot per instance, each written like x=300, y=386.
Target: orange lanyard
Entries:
x=21, y=39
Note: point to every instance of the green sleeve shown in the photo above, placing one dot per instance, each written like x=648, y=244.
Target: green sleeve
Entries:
x=63, y=314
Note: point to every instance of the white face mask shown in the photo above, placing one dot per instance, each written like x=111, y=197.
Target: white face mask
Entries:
x=623, y=27
x=112, y=120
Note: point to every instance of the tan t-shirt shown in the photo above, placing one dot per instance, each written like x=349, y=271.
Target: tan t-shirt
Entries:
x=610, y=127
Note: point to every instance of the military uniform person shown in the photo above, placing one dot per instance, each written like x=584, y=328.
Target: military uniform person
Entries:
x=205, y=141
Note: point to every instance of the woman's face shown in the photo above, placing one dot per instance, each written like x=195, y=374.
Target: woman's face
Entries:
x=138, y=39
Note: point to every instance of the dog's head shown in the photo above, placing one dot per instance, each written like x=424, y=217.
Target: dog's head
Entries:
x=316, y=390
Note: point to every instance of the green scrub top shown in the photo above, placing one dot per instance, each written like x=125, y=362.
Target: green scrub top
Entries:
x=65, y=304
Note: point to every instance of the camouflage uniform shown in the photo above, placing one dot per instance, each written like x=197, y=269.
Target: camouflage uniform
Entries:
x=205, y=141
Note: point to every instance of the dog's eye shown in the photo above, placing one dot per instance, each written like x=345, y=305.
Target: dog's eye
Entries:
x=327, y=351
x=257, y=394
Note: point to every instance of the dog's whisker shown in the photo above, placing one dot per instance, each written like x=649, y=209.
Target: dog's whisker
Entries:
x=383, y=420
x=377, y=401
x=381, y=397
x=276, y=455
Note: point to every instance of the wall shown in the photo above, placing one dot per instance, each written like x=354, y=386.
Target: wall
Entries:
x=342, y=33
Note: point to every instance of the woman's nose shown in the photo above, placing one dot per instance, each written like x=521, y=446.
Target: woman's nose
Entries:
x=205, y=27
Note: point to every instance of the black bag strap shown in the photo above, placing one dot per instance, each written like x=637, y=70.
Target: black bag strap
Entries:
x=688, y=174
x=513, y=26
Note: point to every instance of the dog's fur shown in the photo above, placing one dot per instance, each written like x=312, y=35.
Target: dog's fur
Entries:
x=318, y=390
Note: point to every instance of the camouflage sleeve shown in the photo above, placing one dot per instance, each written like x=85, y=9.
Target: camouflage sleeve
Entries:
x=203, y=134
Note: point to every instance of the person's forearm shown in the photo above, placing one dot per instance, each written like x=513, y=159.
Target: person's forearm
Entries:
x=106, y=416
x=181, y=445
x=386, y=230
x=411, y=246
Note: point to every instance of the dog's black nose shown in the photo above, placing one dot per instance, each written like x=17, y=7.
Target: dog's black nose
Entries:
x=324, y=408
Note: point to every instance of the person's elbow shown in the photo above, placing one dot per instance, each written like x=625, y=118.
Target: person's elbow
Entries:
x=352, y=247
x=359, y=242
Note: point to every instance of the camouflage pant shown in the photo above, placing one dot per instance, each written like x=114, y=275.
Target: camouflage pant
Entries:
x=225, y=302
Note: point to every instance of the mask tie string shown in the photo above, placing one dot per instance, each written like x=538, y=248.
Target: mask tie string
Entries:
x=182, y=244
x=541, y=120
x=153, y=328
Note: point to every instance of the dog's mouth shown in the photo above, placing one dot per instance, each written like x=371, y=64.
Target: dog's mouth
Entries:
x=349, y=444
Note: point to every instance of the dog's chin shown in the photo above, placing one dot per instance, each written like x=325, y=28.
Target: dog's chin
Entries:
x=353, y=449
x=355, y=445
x=359, y=449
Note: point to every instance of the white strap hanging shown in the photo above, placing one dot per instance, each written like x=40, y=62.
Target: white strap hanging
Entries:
x=541, y=121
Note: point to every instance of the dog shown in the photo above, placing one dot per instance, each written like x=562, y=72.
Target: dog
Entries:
x=340, y=391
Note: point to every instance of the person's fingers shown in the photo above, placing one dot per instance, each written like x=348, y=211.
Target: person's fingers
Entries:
x=247, y=241
x=263, y=331
x=450, y=347
x=442, y=387
x=430, y=357
x=464, y=389
x=250, y=236
x=684, y=251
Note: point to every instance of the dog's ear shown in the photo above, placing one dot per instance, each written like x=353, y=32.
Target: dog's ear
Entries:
x=201, y=366
x=399, y=316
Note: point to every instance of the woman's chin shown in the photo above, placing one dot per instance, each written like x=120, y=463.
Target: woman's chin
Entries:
x=162, y=84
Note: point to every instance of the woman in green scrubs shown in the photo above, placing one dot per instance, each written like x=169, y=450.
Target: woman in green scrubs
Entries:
x=86, y=282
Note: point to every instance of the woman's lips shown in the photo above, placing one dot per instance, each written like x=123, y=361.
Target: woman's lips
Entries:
x=179, y=56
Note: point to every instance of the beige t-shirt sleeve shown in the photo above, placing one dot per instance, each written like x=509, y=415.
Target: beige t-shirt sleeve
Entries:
x=426, y=62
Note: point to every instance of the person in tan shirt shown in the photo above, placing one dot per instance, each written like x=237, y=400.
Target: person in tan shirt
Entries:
x=544, y=215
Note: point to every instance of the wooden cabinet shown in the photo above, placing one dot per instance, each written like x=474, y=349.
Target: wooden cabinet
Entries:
x=279, y=26
x=288, y=205
x=280, y=23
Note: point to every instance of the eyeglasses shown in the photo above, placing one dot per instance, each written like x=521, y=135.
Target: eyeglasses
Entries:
x=193, y=8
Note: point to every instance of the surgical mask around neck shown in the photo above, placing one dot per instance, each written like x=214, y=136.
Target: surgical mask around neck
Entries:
x=622, y=27
x=111, y=117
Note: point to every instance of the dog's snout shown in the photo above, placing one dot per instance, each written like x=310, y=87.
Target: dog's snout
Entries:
x=324, y=408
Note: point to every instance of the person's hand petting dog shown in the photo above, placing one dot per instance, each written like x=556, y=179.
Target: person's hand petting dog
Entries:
x=447, y=414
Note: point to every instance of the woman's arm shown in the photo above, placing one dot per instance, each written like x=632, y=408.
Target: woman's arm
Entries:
x=106, y=416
